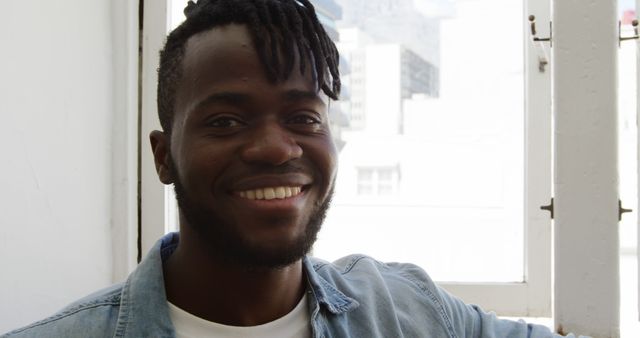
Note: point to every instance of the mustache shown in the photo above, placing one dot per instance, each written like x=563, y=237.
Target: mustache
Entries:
x=269, y=169
x=254, y=169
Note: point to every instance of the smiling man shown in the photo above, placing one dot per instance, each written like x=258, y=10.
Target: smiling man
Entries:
x=253, y=163
x=243, y=95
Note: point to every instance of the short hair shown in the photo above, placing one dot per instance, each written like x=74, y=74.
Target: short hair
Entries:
x=278, y=29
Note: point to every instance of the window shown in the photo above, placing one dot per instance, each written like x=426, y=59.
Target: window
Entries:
x=381, y=181
x=443, y=154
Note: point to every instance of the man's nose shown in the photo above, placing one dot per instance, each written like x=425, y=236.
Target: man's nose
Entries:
x=271, y=145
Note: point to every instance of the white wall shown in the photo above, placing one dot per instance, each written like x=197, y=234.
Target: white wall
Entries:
x=56, y=104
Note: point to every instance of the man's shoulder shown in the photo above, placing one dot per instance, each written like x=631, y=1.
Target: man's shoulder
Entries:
x=389, y=292
x=374, y=273
x=92, y=316
x=363, y=264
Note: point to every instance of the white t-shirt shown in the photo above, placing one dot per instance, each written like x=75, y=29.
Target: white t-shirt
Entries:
x=295, y=324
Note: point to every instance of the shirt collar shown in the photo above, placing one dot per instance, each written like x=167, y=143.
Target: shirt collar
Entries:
x=326, y=293
x=144, y=310
x=143, y=307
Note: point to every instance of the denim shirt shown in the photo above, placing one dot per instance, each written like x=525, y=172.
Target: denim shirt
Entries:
x=355, y=296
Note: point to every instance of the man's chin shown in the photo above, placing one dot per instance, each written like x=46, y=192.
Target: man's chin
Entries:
x=272, y=254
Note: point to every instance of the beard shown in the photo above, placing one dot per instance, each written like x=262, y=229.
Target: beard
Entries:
x=227, y=242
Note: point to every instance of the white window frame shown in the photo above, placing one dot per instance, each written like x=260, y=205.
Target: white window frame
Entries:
x=152, y=191
x=586, y=246
x=124, y=199
x=529, y=298
x=637, y=161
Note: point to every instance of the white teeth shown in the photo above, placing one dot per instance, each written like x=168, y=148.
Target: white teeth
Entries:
x=270, y=193
x=251, y=194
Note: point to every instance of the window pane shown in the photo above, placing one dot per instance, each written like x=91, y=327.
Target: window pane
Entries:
x=384, y=175
x=365, y=189
x=365, y=175
x=435, y=89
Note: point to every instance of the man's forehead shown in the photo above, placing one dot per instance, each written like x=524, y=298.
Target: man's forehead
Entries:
x=219, y=39
x=224, y=60
x=232, y=45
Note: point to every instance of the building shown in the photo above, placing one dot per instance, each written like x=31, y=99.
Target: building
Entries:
x=392, y=51
x=379, y=76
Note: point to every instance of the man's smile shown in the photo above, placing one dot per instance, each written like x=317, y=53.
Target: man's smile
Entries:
x=271, y=187
x=273, y=201
x=270, y=193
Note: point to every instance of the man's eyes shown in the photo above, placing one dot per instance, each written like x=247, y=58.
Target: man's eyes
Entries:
x=225, y=122
x=306, y=119
x=230, y=123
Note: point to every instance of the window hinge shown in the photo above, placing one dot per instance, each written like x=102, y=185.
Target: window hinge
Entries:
x=548, y=208
x=635, y=35
x=622, y=210
x=541, y=50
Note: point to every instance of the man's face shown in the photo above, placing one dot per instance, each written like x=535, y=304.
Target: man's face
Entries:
x=253, y=162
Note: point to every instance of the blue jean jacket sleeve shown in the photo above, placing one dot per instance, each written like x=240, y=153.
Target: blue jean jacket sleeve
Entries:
x=472, y=321
x=467, y=320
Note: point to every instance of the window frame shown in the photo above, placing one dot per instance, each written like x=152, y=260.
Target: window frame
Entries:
x=531, y=298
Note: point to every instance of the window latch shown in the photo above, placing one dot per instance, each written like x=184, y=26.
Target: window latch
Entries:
x=622, y=210
x=548, y=208
x=541, y=50
x=635, y=35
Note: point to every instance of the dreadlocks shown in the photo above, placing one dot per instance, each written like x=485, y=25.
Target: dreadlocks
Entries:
x=278, y=28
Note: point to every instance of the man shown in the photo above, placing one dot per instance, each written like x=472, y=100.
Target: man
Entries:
x=243, y=94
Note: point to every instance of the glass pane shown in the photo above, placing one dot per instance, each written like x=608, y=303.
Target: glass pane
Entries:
x=434, y=88
x=384, y=175
x=384, y=189
x=365, y=175
x=176, y=12
x=365, y=189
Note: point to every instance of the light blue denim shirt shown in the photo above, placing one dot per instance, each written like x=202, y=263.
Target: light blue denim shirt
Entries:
x=355, y=296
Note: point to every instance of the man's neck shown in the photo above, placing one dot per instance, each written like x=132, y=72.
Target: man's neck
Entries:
x=217, y=291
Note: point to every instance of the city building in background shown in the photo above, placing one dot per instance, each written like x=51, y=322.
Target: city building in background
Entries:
x=329, y=12
x=433, y=135
x=392, y=51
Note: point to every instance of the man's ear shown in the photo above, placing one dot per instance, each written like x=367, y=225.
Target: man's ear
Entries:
x=160, y=150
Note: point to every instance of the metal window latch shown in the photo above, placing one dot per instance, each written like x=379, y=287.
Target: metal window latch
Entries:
x=541, y=50
x=635, y=35
x=548, y=208
x=622, y=210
